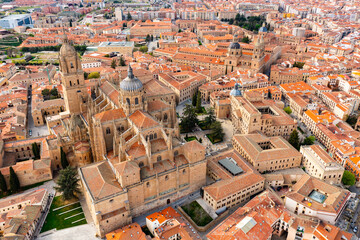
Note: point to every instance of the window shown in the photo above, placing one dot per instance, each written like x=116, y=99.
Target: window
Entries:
x=155, y=135
x=136, y=101
x=147, y=184
x=128, y=101
x=166, y=177
x=165, y=117
x=141, y=164
x=108, y=131
x=70, y=83
x=78, y=82
x=72, y=65
x=176, y=153
x=159, y=158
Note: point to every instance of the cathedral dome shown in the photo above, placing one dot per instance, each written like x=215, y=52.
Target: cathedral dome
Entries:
x=235, y=45
x=66, y=49
x=131, y=83
x=263, y=29
x=236, y=91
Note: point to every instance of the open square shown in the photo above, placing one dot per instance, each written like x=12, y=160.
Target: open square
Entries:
x=64, y=214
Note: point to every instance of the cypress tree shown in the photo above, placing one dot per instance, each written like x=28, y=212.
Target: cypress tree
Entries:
x=198, y=103
x=64, y=161
x=3, y=185
x=194, y=97
x=14, y=181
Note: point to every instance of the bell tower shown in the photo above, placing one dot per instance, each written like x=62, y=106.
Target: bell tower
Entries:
x=72, y=77
x=258, y=58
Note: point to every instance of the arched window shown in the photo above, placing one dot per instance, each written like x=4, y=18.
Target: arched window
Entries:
x=159, y=158
x=136, y=101
x=72, y=65
x=176, y=153
x=147, y=184
x=128, y=101
x=78, y=82
x=165, y=117
x=184, y=171
x=70, y=83
x=166, y=177
x=141, y=164
x=151, y=136
x=108, y=131
x=155, y=135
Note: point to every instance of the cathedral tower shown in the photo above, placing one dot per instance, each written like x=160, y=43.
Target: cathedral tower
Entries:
x=131, y=93
x=72, y=78
x=258, y=58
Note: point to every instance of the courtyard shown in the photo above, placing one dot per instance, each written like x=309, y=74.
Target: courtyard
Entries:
x=64, y=214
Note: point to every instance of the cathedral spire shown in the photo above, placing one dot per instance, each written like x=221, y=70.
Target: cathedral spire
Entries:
x=130, y=72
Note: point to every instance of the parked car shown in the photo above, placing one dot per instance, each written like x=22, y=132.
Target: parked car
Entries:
x=355, y=229
x=30, y=132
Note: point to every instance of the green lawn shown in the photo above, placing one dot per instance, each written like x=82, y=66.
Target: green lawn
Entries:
x=55, y=220
x=188, y=139
x=197, y=213
x=212, y=140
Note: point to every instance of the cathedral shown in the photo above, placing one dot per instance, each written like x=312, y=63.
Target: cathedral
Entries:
x=242, y=58
x=126, y=142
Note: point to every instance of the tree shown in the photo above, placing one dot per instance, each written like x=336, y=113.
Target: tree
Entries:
x=210, y=118
x=198, y=103
x=54, y=92
x=237, y=17
x=231, y=21
x=14, y=181
x=3, y=185
x=45, y=92
x=144, y=49
x=200, y=140
x=86, y=75
x=122, y=61
x=309, y=140
x=269, y=95
x=245, y=39
x=217, y=131
x=10, y=52
x=64, y=161
x=348, y=178
x=94, y=75
x=299, y=64
x=147, y=39
x=180, y=30
x=194, y=97
x=35, y=150
x=294, y=139
x=189, y=119
x=113, y=63
x=129, y=16
x=288, y=110
x=151, y=38
x=68, y=183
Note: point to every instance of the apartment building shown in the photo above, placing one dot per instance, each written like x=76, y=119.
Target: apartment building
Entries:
x=313, y=197
x=123, y=48
x=252, y=113
x=266, y=153
x=235, y=181
x=320, y=165
x=184, y=84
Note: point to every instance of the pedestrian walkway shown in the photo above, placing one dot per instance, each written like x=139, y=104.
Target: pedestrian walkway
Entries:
x=82, y=232
x=207, y=208
x=64, y=206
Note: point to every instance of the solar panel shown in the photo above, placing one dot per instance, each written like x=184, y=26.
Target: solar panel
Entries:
x=231, y=166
